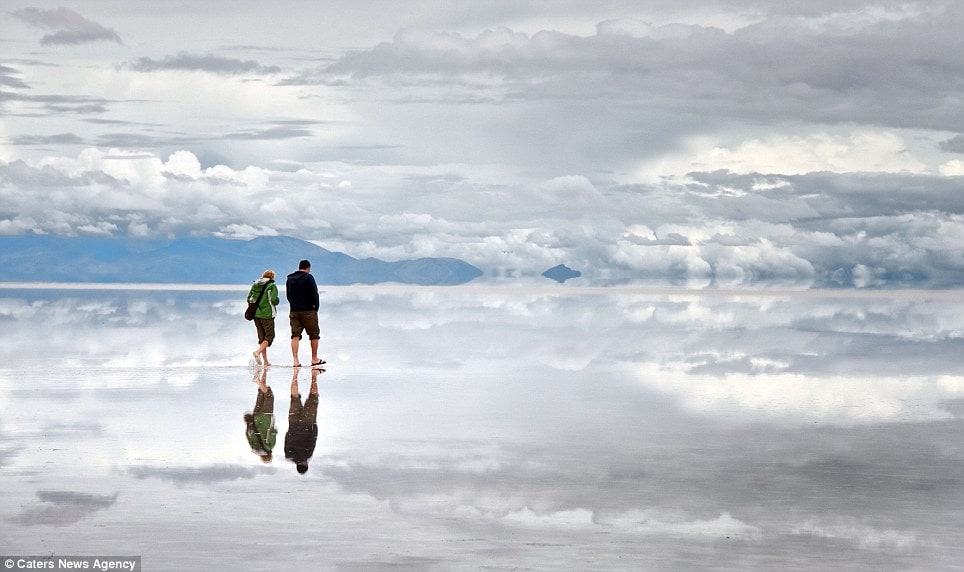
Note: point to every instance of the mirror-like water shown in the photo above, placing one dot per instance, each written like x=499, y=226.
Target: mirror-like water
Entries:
x=466, y=429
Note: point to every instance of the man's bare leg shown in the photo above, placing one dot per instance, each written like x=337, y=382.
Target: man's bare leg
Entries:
x=314, y=352
x=295, y=342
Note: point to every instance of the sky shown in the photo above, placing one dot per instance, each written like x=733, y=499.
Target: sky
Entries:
x=718, y=141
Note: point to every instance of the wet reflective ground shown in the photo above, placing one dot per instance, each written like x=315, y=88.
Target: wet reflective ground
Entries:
x=487, y=429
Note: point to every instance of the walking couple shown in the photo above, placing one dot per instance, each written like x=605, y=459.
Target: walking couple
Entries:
x=303, y=301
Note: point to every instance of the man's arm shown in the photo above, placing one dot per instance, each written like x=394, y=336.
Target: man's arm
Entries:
x=314, y=293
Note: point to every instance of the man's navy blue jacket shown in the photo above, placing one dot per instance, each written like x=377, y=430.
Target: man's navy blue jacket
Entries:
x=301, y=291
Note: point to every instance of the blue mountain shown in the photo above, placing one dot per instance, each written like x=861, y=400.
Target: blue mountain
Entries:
x=210, y=260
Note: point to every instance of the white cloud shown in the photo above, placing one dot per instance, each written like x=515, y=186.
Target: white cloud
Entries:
x=721, y=227
x=862, y=150
x=952, y=168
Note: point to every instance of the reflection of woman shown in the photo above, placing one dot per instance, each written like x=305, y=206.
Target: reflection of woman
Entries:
x=265, y=313
x=260, y=429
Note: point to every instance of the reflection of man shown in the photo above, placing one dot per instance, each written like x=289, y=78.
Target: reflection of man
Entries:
x=260, y=429
x=302, y=423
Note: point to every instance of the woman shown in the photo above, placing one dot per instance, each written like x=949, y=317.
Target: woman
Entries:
x=265, y=313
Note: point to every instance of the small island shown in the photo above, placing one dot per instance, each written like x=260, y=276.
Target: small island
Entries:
x=561, y=273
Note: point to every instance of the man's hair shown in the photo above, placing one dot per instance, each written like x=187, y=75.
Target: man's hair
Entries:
x=303, y=265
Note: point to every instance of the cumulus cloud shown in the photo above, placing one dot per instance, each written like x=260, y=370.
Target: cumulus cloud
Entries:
x=69, y=27
x=723, y=228
x=859, y=151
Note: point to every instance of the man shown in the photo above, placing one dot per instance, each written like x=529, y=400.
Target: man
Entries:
x=303, y=302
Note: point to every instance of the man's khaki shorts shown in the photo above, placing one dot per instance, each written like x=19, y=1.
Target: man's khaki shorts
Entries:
x=304, y=321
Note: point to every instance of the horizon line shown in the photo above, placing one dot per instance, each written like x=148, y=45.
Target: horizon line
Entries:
x=551, y=289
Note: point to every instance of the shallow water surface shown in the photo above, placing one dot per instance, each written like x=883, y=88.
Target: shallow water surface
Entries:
x=499, y=429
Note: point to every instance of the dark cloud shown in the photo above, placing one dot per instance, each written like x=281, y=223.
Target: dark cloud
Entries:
x=954, y=144
x=127, y=140
x=278, y=131
x=58, y=139
x=138, y=140
x=899, y=72
x=79, y=104
x=8, y=79
x=202, y=62
x=105, y=121
x=70, y=28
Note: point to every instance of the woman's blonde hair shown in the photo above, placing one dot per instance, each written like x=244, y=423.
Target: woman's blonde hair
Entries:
x=269, y=274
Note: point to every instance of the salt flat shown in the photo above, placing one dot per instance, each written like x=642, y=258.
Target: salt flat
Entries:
x=490, y=428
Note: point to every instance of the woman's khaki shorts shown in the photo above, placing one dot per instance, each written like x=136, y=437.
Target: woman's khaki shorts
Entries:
x=265, y=328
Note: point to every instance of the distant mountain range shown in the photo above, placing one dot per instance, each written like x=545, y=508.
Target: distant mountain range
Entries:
x=47, y=258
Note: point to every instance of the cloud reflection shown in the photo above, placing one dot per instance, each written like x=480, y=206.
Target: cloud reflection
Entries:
x=516, y=426
x=204, y=475
x=62, y=508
